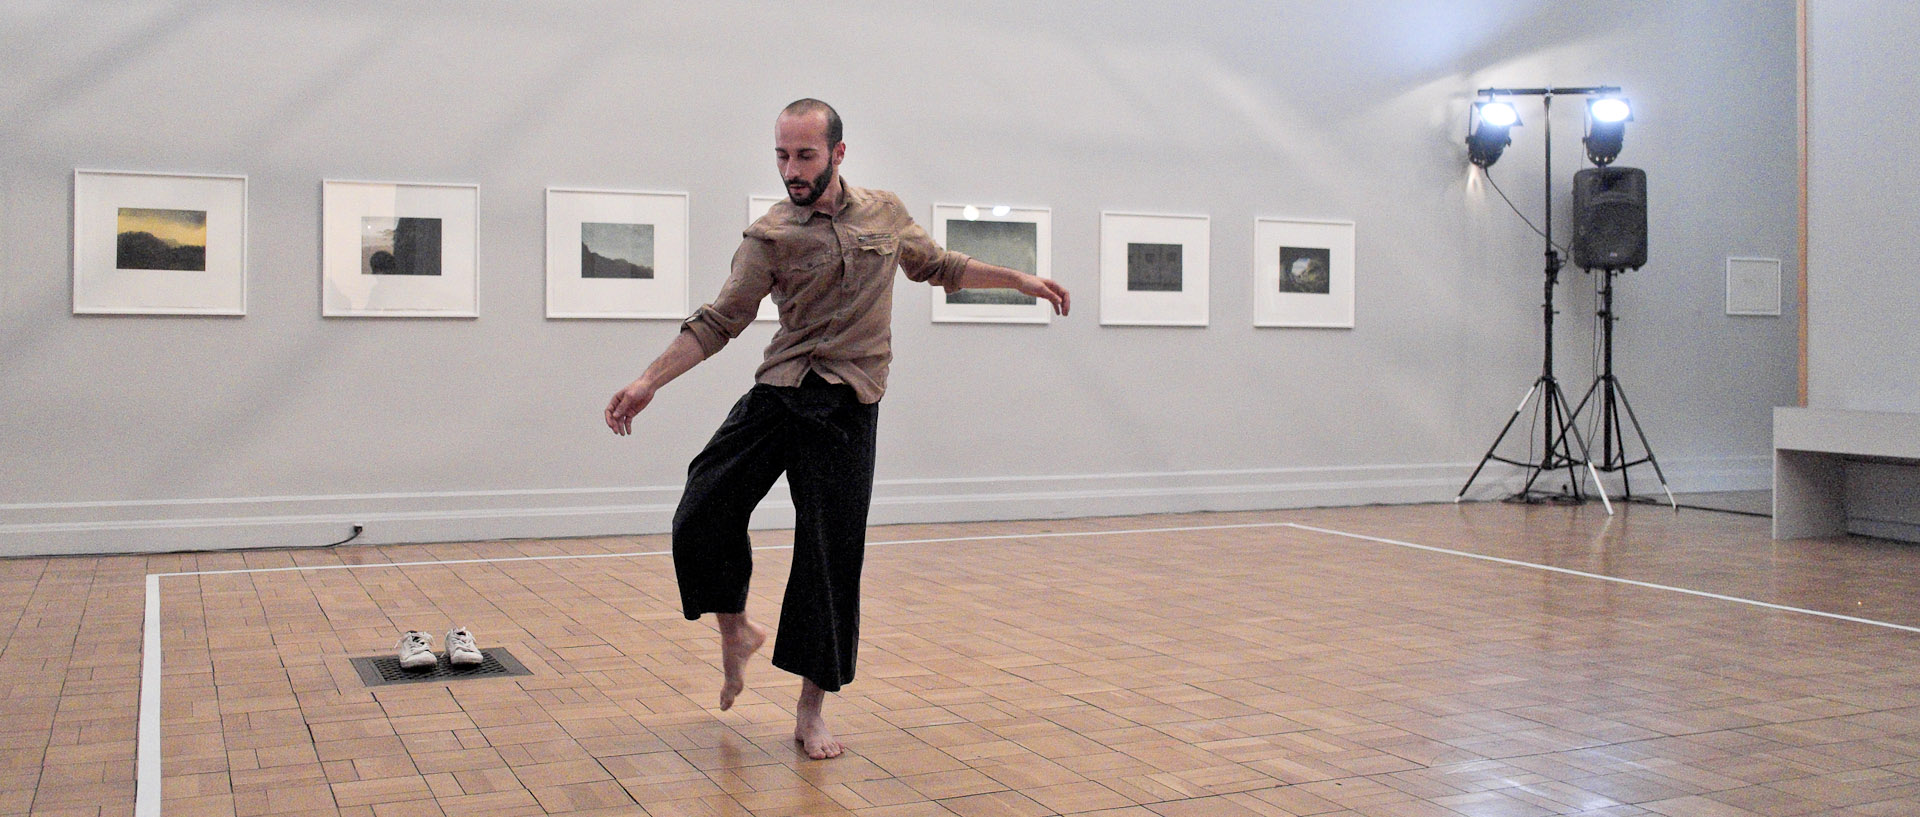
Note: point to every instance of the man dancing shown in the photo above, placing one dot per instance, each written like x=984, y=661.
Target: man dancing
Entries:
x=827, y=255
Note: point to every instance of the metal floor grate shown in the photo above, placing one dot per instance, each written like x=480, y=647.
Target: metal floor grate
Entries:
x=382, y=670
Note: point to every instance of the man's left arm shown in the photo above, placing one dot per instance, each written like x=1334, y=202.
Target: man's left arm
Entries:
x=980, y=275
x=923, y=260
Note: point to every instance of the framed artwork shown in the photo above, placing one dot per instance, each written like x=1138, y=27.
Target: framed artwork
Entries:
x=1753, y=286
x=1017, y=237
x=1153, y=269
x=159, y=244
x=1302, y=273
x=758, y=206
x=397, y=250
x=616, y=254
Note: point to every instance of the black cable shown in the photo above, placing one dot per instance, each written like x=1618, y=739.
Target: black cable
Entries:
x=357, y=530
x=1516, y=210
x=1717, y=510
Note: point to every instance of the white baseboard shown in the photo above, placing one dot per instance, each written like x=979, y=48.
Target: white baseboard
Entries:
x=302, y=521
x=1687, y=475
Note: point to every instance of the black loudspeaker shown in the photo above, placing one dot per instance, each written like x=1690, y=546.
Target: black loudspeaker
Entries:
x=1610, y=218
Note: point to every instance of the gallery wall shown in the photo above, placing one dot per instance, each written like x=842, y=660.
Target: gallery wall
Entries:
x=1863, y=353
x=285, y=428
x=1863, y=188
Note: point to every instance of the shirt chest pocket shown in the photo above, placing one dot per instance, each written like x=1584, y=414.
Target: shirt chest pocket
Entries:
x=796, y=273
x=877, y=243
x=874, y=254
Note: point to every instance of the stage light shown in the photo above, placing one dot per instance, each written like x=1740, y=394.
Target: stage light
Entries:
x=1611, y=109
x=1487, y=131
x=1499, y=114
x=1607, y=119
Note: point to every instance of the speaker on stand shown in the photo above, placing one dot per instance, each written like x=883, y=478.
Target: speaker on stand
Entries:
x=1610, y=237
x=1610, y=218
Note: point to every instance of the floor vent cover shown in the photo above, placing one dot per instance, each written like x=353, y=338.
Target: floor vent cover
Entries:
x=383, y=670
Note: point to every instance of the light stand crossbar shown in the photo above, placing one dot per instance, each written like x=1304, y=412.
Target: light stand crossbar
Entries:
x=1561, y=438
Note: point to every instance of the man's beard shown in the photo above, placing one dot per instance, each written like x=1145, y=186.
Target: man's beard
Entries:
x=815, y=188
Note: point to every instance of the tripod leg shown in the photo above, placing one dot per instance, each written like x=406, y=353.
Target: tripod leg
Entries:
x=1586, y=457
x=1645, y=445
x=1496, y=440
x=1598, y=488
x=1610, y=421
x=1557, y=416
x=1571, y=425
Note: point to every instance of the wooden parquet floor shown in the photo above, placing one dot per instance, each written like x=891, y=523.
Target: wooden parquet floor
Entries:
x=1411, y=661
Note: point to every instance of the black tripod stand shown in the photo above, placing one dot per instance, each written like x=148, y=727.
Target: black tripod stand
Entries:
x=1558, y=424
x=1613, y=398
x=1559, y=434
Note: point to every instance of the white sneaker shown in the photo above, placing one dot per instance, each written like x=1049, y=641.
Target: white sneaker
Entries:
x=415, y=650
x=461, y=650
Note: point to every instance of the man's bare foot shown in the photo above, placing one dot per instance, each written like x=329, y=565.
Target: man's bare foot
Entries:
x=813, y=736
x=809, y=728
x=740, y=638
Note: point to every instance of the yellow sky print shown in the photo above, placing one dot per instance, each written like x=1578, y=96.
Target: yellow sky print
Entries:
x=180, y=228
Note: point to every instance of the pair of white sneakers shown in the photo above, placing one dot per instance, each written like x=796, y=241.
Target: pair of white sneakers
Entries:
x=415, y=650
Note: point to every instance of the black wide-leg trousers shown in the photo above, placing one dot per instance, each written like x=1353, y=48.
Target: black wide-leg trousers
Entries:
x=822, y=437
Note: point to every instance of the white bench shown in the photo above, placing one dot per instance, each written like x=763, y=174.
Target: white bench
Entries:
x=1810, y=451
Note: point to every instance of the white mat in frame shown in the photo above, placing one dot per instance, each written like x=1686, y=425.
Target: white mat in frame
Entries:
x=1154, y=269
x=1019, y=238
x=617, y=254
x=159, y=243
x=1303, y=273
x=392, y=249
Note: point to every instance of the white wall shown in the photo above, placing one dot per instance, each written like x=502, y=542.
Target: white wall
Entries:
x=1863, y=296
x=1863, y=190
x=281, y=428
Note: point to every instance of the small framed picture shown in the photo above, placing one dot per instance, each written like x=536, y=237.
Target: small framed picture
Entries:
x=758, y=206
x=159, y=244
x=397, y=250
x=1153, y=269
x=1019, y=238
x=1753, y=286
x=616, y=254
x=1302, y=273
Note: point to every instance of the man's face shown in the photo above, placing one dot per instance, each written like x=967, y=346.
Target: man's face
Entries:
x=806, y=161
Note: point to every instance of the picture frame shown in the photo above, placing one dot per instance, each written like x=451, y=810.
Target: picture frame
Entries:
x=758, y=206
x=398, y=250
x=1303, y=273
x=1154, y=269
x=617, y=254
x=1019, y=238
x=159, y=243
x=1753, y=286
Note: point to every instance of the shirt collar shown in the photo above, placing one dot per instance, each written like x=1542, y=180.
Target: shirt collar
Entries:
x=802, y=215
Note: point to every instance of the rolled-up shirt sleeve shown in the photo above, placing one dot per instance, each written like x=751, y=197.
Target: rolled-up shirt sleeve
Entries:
x=922, y=260
x=716, y=323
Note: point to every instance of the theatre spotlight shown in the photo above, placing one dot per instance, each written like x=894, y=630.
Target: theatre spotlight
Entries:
x=1607, y=119
x=1487, y=131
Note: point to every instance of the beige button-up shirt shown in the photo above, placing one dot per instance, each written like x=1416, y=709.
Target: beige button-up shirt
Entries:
x=832, y=277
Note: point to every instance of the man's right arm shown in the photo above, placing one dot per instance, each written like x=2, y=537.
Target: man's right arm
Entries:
x=703, y=334
x=680, y=356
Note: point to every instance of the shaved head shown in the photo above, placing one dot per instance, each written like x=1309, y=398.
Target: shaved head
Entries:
x=808, y=106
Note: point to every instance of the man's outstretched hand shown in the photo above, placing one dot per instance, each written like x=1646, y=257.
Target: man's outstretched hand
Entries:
x=625, y=404
x=1049, y=289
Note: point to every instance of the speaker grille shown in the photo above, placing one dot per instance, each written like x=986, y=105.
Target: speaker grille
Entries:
x=1610, y=218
